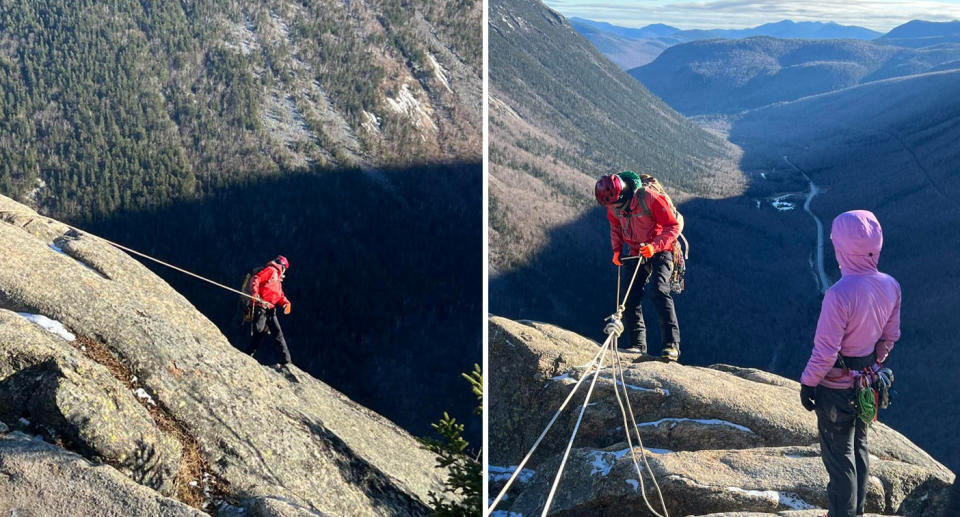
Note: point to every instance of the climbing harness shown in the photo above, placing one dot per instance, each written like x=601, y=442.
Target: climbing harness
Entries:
x=871, y=384
x=613, y=329
x=135, y=252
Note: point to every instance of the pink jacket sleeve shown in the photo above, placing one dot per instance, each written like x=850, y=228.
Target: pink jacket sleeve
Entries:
x=891, y=332
x=826, y=343
x=616, y=232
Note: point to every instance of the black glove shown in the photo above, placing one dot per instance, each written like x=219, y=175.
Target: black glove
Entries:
x=808, y=395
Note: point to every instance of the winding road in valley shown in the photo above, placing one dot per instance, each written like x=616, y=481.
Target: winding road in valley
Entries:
x=821, y=273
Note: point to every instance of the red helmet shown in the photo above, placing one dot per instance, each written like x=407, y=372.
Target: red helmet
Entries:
x=608, y=190
x=282, y=261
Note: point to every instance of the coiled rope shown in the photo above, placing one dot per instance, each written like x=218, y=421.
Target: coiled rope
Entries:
x=135, y=252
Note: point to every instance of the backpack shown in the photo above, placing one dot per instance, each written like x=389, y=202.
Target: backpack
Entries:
x=246, y=304
x=648, y=182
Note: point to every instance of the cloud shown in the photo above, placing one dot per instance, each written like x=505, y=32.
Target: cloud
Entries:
x=879, y=15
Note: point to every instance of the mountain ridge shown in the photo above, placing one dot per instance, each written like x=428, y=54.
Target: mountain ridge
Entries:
x=630, y=48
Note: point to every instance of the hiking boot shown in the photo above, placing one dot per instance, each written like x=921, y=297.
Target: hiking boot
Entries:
x=671, y=352
x=284, y=369
x=632, y=349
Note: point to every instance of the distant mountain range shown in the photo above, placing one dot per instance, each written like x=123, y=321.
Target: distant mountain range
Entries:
x=919, y=33
x=629, y=48
x=729, y=76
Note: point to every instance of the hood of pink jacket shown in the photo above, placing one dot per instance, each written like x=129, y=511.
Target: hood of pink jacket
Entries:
x=857, y=240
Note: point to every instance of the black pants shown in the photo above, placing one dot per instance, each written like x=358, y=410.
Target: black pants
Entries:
x=661, y=269
x=843, y=446
x=265, y=322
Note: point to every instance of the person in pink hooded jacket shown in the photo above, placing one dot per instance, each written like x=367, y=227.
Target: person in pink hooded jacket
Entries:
x=859, y=323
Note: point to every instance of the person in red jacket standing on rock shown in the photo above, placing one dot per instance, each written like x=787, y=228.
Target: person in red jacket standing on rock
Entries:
x=266, y=287
x=642, y=219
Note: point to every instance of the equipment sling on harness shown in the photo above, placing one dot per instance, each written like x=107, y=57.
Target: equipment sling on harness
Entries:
x=871, y=384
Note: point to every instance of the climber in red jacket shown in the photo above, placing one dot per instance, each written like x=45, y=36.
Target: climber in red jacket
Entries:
x=267, y=289
x=642, y=219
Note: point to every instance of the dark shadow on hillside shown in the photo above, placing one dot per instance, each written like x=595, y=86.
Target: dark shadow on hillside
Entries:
x=904, y=169
x=385, y=278
x=742, y=306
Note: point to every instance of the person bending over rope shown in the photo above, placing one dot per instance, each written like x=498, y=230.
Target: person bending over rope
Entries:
x=642, y=219
x=267, y=289
x=859, y=323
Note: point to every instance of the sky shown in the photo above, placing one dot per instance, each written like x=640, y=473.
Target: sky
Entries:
x=879, y=15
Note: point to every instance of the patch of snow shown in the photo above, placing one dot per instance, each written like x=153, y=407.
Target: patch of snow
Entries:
x=23, y=421
x=780, y=204
x=659, y=451
x=634, y=483
x=788, y=500
x=243, y=40
x=561, y=377
x=40, y=185
x=603, y=461
x=142, y=394
x=495, y=473
x=504, y=513
x=794, y=502
x=872, y=457
x=769, y=495
x=763, y=175
x=52, y=326
x=406, y=103
x=438, y=72
x=758, y=204
x=371, y=122
x=675, y=421
x=637, y=388
x=59, y=250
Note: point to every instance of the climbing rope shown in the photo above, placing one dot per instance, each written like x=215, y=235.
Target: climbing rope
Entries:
x=643, y=450
x=613, y=329
x=135, y=252
x=523, y=463
x=576, y=427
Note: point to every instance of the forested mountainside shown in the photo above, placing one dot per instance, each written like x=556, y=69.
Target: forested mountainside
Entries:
x=128, y=105
x=215, y=135
x=730, y=76
x=560, y=115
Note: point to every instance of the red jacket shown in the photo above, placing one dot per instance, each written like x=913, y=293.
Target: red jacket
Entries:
x=268, y=286
x=651, y=222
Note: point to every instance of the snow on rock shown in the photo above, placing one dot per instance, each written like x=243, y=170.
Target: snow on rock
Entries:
x=439, y=72
x=794, y=502
x=370, y=122
x=52, y=326
x=603, y=461
x=781, y=204
x=782, y=499
x=634, y=483
x=504, y=513
x=713, y=421
x=142, y=394
x=406, y=103
x=495, y=473
x=56, y=248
